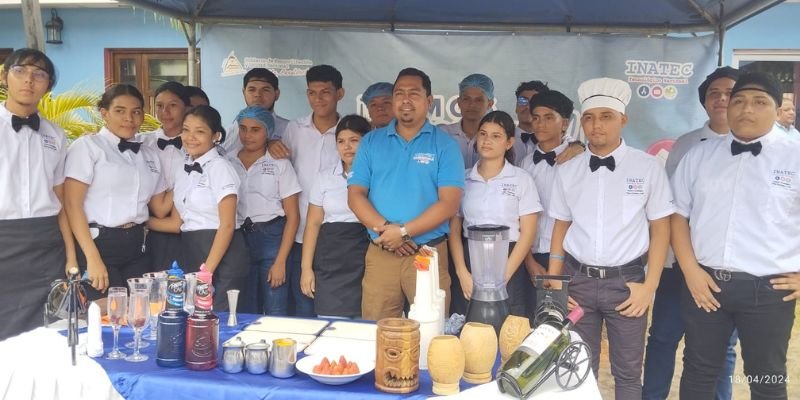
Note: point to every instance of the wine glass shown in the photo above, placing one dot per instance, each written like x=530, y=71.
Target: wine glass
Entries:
x=191, y=284
x=138, y=315
x=116, y=306
x=158, y=296
x=138, y=284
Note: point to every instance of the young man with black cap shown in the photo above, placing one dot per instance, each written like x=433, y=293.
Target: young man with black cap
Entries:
x=611, y=207
x=666, y=328
x=735, y=235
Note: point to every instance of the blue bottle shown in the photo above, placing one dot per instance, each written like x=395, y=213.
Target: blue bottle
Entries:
x=172, y=322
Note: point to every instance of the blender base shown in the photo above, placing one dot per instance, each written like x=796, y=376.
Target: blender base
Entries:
x=493, y=313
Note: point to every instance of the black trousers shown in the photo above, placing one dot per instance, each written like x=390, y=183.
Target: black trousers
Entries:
x=121, y=251
x=232, y=271
x=764, y=322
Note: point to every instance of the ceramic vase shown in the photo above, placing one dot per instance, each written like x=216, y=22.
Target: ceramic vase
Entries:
x=480, y=351
x=397, y=355
x=512, y=333
x=446, y=364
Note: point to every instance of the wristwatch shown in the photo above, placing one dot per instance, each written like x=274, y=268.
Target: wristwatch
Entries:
x=404, y=233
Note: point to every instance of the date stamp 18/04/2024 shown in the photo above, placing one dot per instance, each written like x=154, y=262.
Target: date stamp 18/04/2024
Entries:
x=759, y=379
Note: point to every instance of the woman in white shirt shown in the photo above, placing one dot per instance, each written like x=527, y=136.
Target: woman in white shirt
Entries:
x=334, y=242
x=268, y=213
x=205, y=197
x=172, y=100
x=33, y=228
x=498, y=193
x=111, y=180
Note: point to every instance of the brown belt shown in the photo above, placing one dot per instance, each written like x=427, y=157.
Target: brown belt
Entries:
x=129, y=225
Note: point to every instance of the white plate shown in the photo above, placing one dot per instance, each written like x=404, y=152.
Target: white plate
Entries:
x=351, y=330
x=307, y=363
x=284, y=324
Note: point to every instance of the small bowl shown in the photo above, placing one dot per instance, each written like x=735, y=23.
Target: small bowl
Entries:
x=307, y=363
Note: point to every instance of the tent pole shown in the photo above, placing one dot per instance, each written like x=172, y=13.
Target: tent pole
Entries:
x=190, y=28
x=32, y=22
x=721, y=31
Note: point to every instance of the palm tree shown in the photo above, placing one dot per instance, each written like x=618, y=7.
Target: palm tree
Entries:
x=75, y=111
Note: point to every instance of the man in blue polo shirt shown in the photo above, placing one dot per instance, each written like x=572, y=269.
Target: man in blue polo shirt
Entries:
x=407, y=182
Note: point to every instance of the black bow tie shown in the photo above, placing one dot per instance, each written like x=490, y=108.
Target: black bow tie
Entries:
x=193, y=167
x=18, y=122
x=550, y=157
x=163, y=143
x=527, y=137
x=596, y=162
x=126, y=145
x=738, y=148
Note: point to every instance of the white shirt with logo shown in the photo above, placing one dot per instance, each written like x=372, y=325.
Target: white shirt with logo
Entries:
x=120, y=183
x=543, y=176
x=610, y=210
x=501, y=200
x=197, y=195
x=263, y=187
x=743, y=210
x=172, y=158
x=31, y=164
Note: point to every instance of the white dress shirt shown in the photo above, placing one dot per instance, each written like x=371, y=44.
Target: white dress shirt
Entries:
x=543, y=176
x=263, y=186
x=791, y=131
x=743, y=210
x=120, y=183
x=685, y=142
x=197, y=196
x=610, y=210
x=312, y=153
x=330, y=193
x=501, y=200
x=172, y=158
x=31, y=164
x=233, y=144
x=467, y=145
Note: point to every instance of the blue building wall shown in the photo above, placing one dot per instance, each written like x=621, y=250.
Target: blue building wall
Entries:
x=87, y=32
x=776, y=28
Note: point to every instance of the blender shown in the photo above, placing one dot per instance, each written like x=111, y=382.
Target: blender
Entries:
x=488, y=255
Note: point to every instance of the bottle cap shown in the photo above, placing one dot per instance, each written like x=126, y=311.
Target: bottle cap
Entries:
x=204, y=275
x=576, y=314
x=175, y=272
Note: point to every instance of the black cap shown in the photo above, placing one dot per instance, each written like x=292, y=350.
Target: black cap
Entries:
x=721, y=72
x=760, y=81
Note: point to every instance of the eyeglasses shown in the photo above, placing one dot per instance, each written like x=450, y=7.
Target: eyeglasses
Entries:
x=522, y=101
x=38, y=74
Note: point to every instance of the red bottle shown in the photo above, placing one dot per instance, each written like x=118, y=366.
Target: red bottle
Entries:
x=202, y=327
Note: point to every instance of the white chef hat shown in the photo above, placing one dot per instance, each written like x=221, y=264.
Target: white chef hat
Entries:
x=604, y=92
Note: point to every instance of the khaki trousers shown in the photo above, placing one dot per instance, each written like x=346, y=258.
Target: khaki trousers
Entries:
x=389, y=280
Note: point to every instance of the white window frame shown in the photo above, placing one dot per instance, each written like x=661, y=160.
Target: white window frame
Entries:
x=740, y=55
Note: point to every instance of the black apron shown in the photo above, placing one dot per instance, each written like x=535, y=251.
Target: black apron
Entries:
x=232, y=270
x=121, y=251
x=339, y=268
x=31, y=257
x=162, y=249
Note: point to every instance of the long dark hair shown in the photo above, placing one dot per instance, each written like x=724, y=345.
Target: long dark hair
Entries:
x=506, y=122
x=117, y=90
x=210, y=116
x=355, y=123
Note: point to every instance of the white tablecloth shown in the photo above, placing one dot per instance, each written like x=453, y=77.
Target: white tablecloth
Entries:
x=38, y=365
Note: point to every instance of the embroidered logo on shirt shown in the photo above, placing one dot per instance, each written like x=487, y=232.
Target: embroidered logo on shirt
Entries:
x=634, y=186
x=783, y=178
x=152, y=166
x=49, y=142
x=508, y=189
x=203, y=182
x=269, y=169
x=424, y=158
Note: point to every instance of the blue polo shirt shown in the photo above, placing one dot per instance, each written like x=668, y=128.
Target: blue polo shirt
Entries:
x=403, y=177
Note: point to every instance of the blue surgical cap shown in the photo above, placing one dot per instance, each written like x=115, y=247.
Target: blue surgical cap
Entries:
x=259, y=114
x=380, y=89
x=479, y=81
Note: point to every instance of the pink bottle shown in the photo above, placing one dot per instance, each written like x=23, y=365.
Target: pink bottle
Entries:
x=202, y=327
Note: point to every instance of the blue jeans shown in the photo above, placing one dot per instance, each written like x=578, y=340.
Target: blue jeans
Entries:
x=666, y=331
x=263, y=244
x=303, y=305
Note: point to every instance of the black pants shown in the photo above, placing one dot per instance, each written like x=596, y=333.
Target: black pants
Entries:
x=121, y=251
x=232, y=271
x=162, y=249
x=764, y=322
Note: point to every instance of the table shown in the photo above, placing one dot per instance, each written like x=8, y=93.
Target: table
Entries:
x=24, y=373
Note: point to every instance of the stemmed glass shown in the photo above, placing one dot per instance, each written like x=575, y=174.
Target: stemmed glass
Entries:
x=116, y=306
x=191, y=284
x=133, y=283
x=158, y=297
x=138, y=314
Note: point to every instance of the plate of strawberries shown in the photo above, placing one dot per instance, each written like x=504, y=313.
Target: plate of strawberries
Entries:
x=332, y=370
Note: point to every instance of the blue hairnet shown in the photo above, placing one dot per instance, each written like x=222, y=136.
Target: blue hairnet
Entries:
x=379, y=89
x=259, y=114
x=479, y=81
